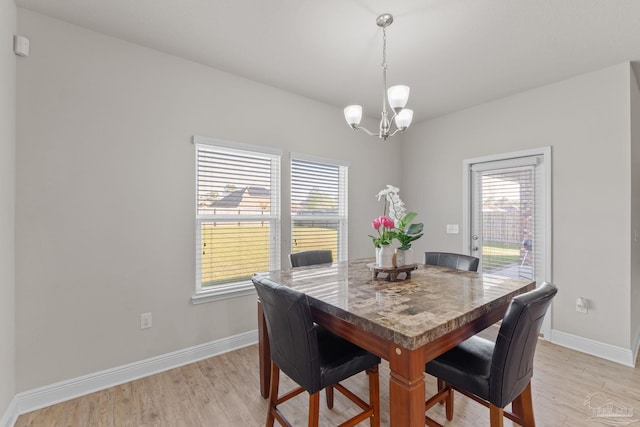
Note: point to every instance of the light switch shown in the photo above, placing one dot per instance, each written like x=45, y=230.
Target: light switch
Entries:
x=452, y=229
x=20, y=45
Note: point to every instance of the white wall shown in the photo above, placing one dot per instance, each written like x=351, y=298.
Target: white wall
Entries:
x=586, y=121
x=635, y=211
x=105, y=194
x=7, y=202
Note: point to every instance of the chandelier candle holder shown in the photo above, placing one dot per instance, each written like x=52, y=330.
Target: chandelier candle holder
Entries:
x=396, y=96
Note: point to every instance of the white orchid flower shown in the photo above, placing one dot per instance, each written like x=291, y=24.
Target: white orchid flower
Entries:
x=388, y=190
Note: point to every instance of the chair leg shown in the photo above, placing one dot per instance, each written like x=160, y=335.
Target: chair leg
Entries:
x=374, y=395
x=329, y=391
x=448, y=401
x=440, y=388
x=314, y=409
x=444, y=395
x=273, y=393
x=496, y=416
x=522, y=407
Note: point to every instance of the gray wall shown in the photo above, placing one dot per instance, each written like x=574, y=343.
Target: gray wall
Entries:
x=586, y=120
x=105, y=194
x=7, y=202
x=635, y=209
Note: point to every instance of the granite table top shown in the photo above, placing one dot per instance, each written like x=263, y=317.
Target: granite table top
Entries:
x=411, y=312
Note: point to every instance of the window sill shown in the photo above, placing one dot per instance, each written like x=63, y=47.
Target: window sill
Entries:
x=224, y=292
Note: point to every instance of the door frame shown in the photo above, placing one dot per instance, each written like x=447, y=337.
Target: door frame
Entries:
x=545, y=152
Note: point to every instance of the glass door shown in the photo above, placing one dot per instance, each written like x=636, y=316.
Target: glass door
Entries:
x=507, y=215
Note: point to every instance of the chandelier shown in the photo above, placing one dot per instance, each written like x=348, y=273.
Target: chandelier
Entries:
x=396, y=96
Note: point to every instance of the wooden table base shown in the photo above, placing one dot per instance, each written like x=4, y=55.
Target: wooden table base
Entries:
x=392, y=272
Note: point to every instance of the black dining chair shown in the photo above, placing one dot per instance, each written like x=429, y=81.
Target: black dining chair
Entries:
x=312, y=257
x=457, y=261
x=451, y=260
x=496, y=374
x=311, y=356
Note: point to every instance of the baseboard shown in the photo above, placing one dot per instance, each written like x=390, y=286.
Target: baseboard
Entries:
x=621, y=355
x=636, y=347
x=59, y=392
x=10, y=415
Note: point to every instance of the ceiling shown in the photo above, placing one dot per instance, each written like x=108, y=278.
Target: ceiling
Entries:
x=452, y=53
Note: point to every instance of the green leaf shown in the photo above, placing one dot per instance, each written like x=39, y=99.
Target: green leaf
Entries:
x=415, y=228
x=415, y=237
x=409, y=217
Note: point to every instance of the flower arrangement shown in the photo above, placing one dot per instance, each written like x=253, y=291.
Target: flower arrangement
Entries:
x=397, y=225
x=384, y=226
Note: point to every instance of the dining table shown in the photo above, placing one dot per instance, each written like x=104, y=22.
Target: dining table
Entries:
x=407, y=321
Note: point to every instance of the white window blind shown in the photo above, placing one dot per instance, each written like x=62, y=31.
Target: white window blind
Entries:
x=508, y=220
x=318, y=205
x=237, y=215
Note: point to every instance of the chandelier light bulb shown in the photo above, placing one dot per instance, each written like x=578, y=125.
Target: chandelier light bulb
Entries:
x=398, y=97
x=403, y=119
x=353, y=115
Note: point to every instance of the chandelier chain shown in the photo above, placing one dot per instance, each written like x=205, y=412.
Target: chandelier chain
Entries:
x=384, y=48
x=384, y=77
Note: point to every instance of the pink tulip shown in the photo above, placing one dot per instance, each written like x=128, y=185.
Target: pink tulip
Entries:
x=387, y=222
x=376, y=223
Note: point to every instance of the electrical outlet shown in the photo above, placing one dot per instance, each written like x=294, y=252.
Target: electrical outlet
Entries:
x=453, y=229
x=582, y=305
x=145, y=321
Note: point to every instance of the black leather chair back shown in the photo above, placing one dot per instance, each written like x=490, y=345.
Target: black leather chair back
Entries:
x=319, y=256
x=457, y=261
x=292, y=334
x=512, y=362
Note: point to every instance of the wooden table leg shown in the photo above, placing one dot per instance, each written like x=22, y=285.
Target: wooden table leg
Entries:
x=264, y=353
x=406, y=388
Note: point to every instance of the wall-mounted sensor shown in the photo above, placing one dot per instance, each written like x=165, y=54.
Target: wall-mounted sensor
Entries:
x=21, y=45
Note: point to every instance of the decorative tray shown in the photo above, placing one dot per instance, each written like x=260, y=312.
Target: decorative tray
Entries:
x=392, y=272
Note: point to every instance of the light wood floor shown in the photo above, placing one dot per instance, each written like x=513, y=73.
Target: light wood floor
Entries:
x=224, y=391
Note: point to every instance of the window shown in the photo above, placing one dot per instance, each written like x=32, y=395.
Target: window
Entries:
x=318, y=205
x=237, y=217
x=504, y=207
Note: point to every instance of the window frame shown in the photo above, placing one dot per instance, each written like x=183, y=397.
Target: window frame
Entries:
x=343, y=197
x=240, y=287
